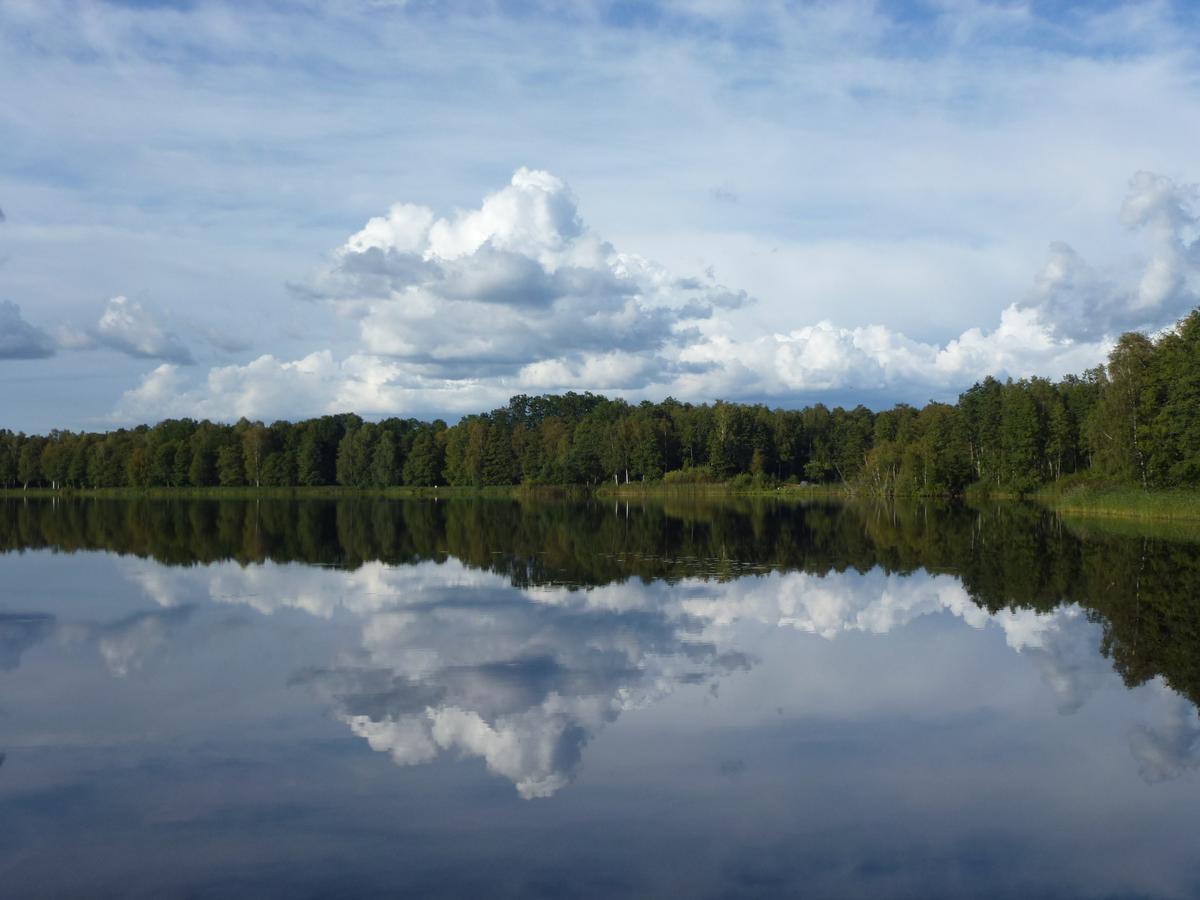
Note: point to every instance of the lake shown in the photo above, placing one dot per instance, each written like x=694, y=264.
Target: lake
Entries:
x=508, y=698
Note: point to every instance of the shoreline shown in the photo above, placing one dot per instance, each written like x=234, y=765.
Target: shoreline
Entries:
x=1101, y=501
x=625, y=491
x=1092, y=501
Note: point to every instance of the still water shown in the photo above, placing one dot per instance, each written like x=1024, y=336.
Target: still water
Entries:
x=499, y=698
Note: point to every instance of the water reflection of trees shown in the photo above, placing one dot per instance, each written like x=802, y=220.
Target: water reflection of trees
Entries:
x=1140, y=589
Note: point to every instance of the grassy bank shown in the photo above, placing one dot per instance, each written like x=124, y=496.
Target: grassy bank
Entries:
x=723, y=489
x=1118, y=501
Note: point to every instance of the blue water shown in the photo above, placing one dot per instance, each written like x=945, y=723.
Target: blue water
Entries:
x=430, y=730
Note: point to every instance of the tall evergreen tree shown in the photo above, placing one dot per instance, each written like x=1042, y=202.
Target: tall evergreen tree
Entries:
x=423, y=465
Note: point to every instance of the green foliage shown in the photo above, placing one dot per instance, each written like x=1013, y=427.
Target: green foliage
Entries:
x=356, y=457
x=423, y=467
x=385, y=468
x=182, y=463
x=256, y=447
x=690, y=475
x=8, y=464
x=29, y=463
x=230, y=466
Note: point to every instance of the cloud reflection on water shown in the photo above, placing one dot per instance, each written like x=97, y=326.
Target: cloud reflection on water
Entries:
x=455, y=660
x=19, y=632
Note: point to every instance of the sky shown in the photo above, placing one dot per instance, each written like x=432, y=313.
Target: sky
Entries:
x=276, y=210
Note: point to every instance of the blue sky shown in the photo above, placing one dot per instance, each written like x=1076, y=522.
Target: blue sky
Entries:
x=268, y=209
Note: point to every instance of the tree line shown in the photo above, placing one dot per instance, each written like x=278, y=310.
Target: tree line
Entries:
x=1135, y=419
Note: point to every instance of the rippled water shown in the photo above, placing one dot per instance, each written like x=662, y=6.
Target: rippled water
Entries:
x=492, y=698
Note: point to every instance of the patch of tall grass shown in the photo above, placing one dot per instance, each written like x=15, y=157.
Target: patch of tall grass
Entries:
x=1092, y=497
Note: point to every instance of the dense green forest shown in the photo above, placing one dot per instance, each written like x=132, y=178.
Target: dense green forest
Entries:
x=1135, y=420
x=1007, y=555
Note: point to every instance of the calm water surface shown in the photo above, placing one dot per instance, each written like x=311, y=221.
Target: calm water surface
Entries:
x=493, y=698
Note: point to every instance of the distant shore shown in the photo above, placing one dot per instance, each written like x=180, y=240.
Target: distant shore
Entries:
x=628, y=490
x=331, y=492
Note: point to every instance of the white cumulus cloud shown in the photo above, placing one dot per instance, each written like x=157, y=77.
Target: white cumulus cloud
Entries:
x=455, y=313
x=128, y=327
x=1076, y=301
x=514, y=283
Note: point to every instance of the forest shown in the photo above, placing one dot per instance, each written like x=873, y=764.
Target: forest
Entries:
x=1134, y=420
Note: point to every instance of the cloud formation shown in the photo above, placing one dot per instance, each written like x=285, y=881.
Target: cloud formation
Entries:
x=19, y=339
x=456, y=313
x=517, y=282
x=128, y=327
x=455, y=660
x=521, y=680
x=1077, y=302
x=19, y=632
x=125, y=644
x=1171, y=749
